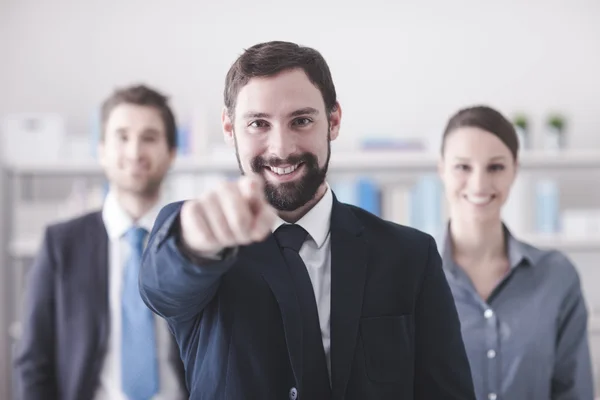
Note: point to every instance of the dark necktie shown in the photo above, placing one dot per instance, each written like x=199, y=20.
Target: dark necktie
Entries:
x=315, y=378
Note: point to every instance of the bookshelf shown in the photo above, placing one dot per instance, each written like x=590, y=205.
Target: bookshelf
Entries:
x=342, y=163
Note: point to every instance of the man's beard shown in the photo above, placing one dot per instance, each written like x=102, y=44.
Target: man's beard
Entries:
x=290, y=196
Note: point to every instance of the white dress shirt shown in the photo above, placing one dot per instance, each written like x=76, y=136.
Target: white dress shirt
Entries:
x=316, y=254
x=117, y=223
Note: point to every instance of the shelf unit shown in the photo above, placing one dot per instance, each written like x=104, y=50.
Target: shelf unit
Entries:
x=341, y=162
x=366, y=162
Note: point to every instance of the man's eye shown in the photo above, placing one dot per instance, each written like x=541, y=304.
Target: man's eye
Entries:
x=258, y=124
x=303, y=121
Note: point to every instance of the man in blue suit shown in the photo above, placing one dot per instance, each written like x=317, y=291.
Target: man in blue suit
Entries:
x=273, y=288
x=87, y=334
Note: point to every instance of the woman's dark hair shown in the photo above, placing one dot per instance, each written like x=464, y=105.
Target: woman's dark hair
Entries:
x=487, y=119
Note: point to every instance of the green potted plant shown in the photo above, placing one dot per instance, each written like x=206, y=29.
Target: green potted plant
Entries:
x=556, y=126
x=557, y=121
x=521, y=123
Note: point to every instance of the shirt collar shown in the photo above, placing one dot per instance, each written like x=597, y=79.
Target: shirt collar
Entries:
x=317, y=220
x=518, y=252
x=118, y=222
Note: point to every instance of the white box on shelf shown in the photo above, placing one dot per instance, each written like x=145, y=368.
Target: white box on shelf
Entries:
x=31, y=218
x=581, y=223
x=516, y=213
x=33, y=137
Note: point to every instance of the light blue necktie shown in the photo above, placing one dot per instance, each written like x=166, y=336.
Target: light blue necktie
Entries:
x=139, y=366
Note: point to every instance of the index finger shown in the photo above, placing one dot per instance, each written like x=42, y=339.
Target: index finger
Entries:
x=252, y=187
x=253, y=190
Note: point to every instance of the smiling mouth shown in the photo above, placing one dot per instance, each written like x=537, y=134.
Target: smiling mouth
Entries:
x=136, y=170
x=282, y=171
x=480, y=200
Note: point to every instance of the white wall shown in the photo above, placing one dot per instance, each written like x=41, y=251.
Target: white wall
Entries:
x=400, y=67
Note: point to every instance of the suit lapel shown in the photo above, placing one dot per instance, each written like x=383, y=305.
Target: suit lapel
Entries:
x=99, y=259
x=267, y=258
x=348, y=271
x=92, y=263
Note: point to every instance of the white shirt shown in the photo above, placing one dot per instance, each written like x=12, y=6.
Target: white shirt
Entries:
x=316, y=254
x=117, y=223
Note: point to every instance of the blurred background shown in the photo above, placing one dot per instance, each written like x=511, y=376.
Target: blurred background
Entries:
x=400, y=69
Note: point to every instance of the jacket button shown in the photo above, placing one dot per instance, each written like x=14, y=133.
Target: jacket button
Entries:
x=293, y=394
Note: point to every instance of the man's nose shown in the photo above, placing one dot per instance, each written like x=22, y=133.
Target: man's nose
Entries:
x=133, y=149
x=282, y=143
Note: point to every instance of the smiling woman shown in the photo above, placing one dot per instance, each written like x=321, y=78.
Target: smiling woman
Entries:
x=479, y=163
x=519, y=306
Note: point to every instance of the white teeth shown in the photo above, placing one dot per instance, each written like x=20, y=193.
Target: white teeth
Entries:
x=479, y=200
x=284, y=171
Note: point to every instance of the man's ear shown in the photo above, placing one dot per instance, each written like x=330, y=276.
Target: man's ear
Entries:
x=227, y=126
x=335, y=120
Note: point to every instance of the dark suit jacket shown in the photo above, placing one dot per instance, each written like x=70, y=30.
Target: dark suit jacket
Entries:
x=66, y=315
x=395, y=332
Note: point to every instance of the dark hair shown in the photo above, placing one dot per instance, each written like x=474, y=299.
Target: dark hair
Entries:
x=142, y=95
x=488, y=119
x=271, y=58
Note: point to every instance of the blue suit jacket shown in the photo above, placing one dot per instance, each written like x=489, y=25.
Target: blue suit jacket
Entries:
x=66, y=316
x=395, y=332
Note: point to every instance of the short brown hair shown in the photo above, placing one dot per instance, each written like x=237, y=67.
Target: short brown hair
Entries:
x=142, y=95
x=271, y=58
x=487, y=119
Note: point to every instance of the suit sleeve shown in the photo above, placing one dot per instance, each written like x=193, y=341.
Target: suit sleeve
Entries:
x=172, y=284
x=35, y=357
x=442, y=370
